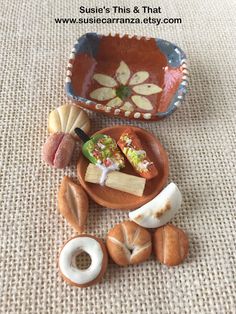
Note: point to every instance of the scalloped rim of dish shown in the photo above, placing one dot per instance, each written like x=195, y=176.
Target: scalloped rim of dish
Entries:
x=136, y=115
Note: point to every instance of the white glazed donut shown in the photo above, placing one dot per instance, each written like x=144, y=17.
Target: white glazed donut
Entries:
x=95, y=248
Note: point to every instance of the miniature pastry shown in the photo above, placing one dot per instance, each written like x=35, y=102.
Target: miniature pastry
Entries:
x=101, y=150
x=159, y=210
x=127, y=243
x=73, y=204
x=66, y=118
x=82, y=278
x=131, y=146
x=58, y=150
x=116, y=180
x=170, y=245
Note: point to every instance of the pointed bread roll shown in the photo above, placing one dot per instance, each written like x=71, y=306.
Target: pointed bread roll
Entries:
x=73, y=204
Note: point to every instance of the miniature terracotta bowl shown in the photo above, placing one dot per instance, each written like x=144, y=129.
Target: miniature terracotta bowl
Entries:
x=129, y=77
x=115, y=199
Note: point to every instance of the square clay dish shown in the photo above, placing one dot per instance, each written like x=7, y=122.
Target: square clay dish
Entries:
x=127, y=76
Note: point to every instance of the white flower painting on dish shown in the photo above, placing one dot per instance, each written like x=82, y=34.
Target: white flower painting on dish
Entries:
x=125, y=92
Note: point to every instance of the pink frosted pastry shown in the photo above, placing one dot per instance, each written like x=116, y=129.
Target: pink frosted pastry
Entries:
x=58, y=150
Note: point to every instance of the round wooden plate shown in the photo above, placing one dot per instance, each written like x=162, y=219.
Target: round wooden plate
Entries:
x=115, y=199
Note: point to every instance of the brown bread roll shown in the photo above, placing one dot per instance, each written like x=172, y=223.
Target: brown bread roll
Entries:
x=128, y=243
x=73, y=204
x=170, y=245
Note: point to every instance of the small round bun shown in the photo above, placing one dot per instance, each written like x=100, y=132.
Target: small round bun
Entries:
x=128, y=243
x=170, y=245
x=83, y=278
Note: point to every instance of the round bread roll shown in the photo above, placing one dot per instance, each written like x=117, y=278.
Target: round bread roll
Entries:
x=66, y=118
x=83, y=278
x=128, y=243
x=170, y=245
